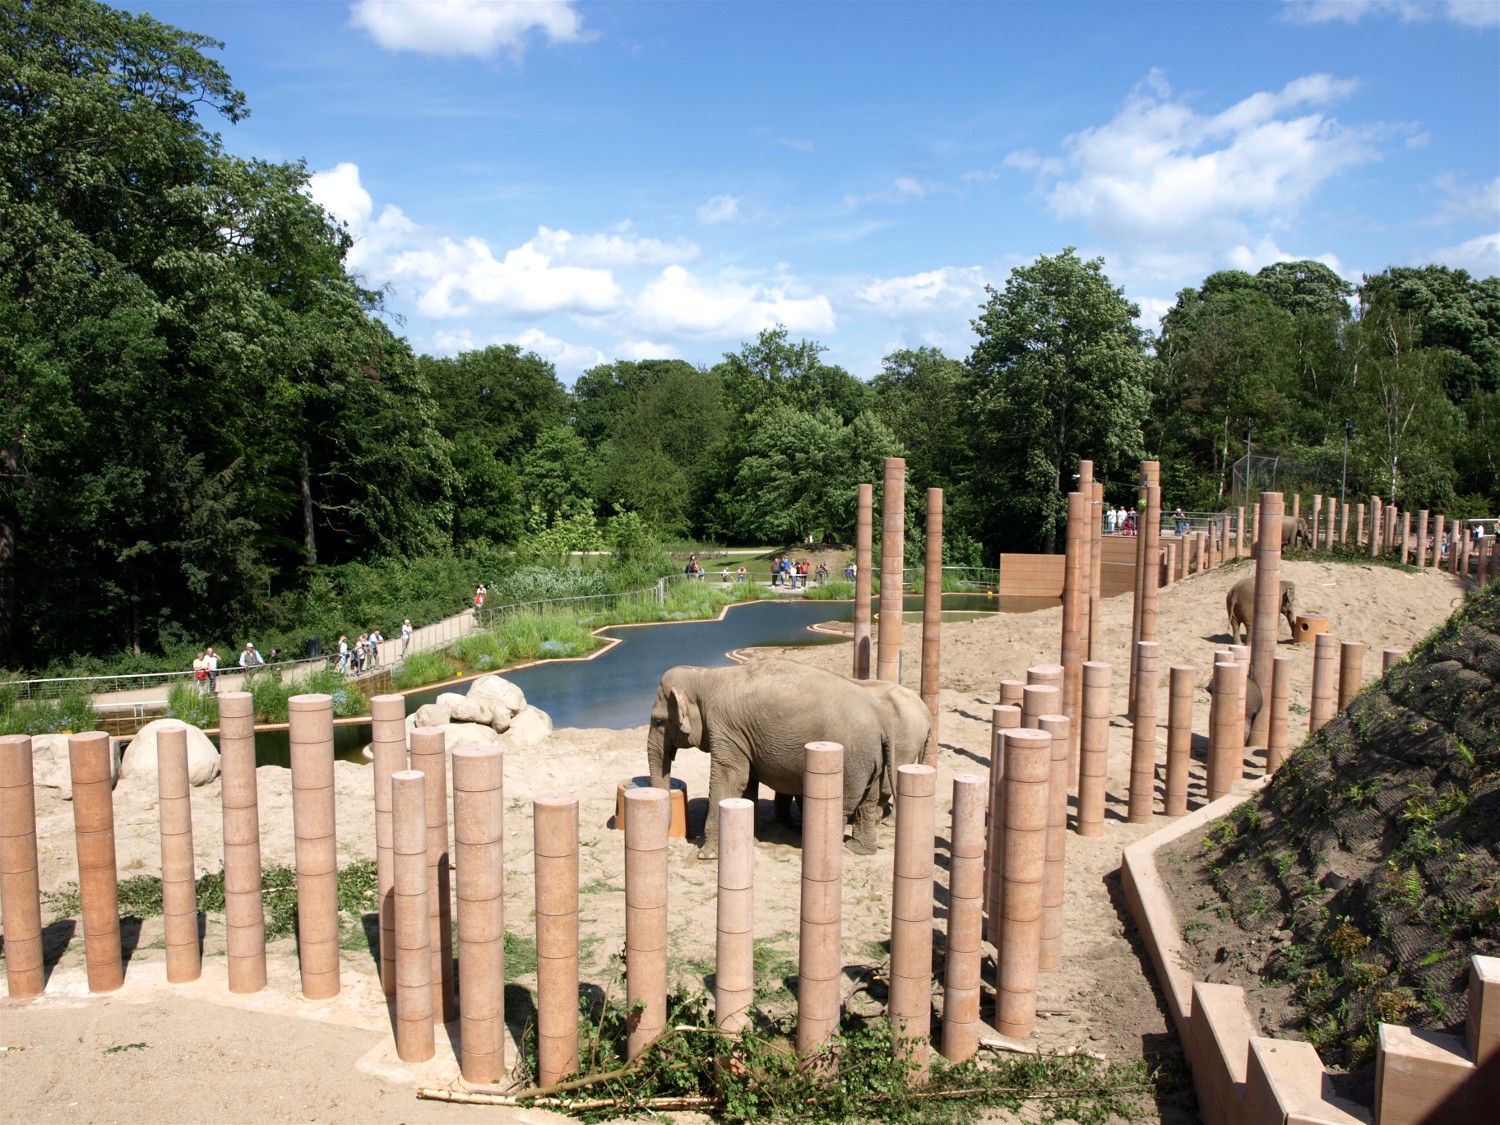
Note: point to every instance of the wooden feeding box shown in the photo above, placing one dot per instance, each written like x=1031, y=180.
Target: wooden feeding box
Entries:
x=678, y=827
x=1309, y=625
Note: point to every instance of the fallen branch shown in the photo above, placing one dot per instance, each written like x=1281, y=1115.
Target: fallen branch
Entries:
x=1022, y=1047
x=478, y=1097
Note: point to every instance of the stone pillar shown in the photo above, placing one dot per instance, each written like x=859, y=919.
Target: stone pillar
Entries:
x=892, y=560
x=962, y=954
x=1002, y=719
x=1359, y=528
x=429, y=755
x=1027, y=767
x=1389, y=658
x=1096, y=564
x=820, y=956
x=1074, y=609
x=1405, y=538
x=1439, y=527
x=1226, y=739
x=179, y=883
x=1239, y=532
x=1148, y=536
x=555, y=824
x=734, y=960
x=1317, y=520
x=1278, y=704
x=479, y=856
x=1267, y=613
x=388, y=751
x=1171, y=569
x=1377, y=527
x=932, y=615
x=1296, y=506
x=1086, y=562
x=1143, y=735
x=20, y=881
x=864, y=552
x=1039, y=700
x=1351, y=671
x=244, y=908
x=310, y=733
x=98, y=878
x=648, y=815
x=1422, y=517
x=1179, y=737
x=1344, y=526
x=1093, y=765
x=409, y=871
x=1049, y=957
x=910, y=1004
x=1324, y=682
x=1012, y=692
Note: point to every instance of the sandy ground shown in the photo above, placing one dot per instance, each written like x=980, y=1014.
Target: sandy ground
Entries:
x=154, y=1052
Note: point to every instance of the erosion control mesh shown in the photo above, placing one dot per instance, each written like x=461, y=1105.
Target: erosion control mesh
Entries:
x=1376, y=846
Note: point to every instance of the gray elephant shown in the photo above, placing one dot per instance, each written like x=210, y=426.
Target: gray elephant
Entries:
x=755, y=720
x=1254, y=701
x=1295, y=532
x=1239, y=604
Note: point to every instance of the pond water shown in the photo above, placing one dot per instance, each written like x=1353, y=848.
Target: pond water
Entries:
x=616, y=689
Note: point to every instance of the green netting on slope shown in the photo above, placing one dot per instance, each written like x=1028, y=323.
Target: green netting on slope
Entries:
x=1378, y=846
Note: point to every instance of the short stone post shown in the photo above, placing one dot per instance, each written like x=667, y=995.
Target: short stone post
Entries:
x=1049, y=957
x=310, y=733
x=932, y=615
x=20, y=880
x=1028, y=764
x=963, y=956
x=1351, y=671
x=179, y=884
x=1179, y=737
x=239, y=798
x=820, y=941
x=1143, y=735
x=98, y=878
x=1226, y=738
x=429, y=755
x=409, y=872
x=1093, y=764
x=1002, y=719
x=1422, y=518
x=479, y=855
x=892, y=562
x=1012, y=692
x=1389, y=658
x=648, y=815
x=734, y=960
x=910, y=1003
x=864, y=583
x=1045, y=675
x=1278, y=704
x=388, y=751
x=555, y=827
x=1039, y=700
x=1324, y=682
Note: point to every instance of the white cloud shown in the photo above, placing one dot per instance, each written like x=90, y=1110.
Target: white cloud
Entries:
x=1480, y=256
x=610, y=250
x=677, y=302
x=1468, y=201
x=638, y=350
x=1177, y=188
x=466, y=27
x=719, y=209
x=456, y=276
x=950, y=287
x=1471, y=13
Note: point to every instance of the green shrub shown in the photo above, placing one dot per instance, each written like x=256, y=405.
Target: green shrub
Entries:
x=73, y=712
x=189, y=705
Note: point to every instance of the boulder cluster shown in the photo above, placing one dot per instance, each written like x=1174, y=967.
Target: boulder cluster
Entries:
x=493, y=713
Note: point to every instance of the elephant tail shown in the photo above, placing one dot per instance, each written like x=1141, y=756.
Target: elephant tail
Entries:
x=887, y=769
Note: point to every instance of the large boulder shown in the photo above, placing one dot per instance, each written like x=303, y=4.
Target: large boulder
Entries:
x=469, y=709
x=428, y=715
x=138, y=766
x=498, y=692
x=50, y=767
x=530, y=727
x=456, y=735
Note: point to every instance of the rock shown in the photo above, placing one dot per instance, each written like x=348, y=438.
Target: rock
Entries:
x=428, y=715
x=498, y=692
x=138, y=766
x=467, y=709
x=530, y=727
x=470, y=734
x=49, y=763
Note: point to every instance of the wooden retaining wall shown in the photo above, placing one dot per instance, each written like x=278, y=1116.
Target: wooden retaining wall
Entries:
x=1041, y=576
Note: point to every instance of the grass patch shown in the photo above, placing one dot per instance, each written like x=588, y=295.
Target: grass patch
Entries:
x=73, y=712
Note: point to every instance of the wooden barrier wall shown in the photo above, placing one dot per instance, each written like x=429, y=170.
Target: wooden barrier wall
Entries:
x=1041, y=576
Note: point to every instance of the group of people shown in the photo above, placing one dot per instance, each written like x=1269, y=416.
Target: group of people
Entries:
x=206, y=665
x=365, y=652
x=793, y=575
x=1117, y=521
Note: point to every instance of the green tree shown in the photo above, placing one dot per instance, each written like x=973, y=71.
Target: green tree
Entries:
x=1058, y=373
x=921, y=395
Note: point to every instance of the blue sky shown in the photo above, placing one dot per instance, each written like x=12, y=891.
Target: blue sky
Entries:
x=600, y=181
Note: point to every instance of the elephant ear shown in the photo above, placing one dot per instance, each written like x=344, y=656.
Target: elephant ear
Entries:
x=679, y=715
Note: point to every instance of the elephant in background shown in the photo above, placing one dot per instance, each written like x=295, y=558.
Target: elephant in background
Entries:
x=1239, y=604
x=1295, y=532
x=755, y=720
x=1254, y=701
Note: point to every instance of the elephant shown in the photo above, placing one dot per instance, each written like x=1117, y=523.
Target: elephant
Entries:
x=1294, y=532
x=1254, y=701
x=755, y=720
x=1239, y=604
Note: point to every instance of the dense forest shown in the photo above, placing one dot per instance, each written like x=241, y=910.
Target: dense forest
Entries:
x=206, y=413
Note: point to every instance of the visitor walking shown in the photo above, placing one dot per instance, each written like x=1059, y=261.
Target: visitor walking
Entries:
x=200, y=672
x=249, y=658
x=343, y=664
x=405, y=637
x=211, y=662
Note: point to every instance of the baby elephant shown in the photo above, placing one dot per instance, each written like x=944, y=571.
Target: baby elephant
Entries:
x=1240, y=605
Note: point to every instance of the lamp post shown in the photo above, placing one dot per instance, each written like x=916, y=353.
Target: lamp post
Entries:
x=1344, y=482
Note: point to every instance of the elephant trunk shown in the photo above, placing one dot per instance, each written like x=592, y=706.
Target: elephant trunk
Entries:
x=658, y=761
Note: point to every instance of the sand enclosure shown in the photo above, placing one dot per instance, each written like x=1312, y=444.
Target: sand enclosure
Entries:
x=159, y=1052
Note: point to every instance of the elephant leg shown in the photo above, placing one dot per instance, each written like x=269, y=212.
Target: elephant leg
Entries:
x=784, y=809
x=866, y=818
x=725, y=777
